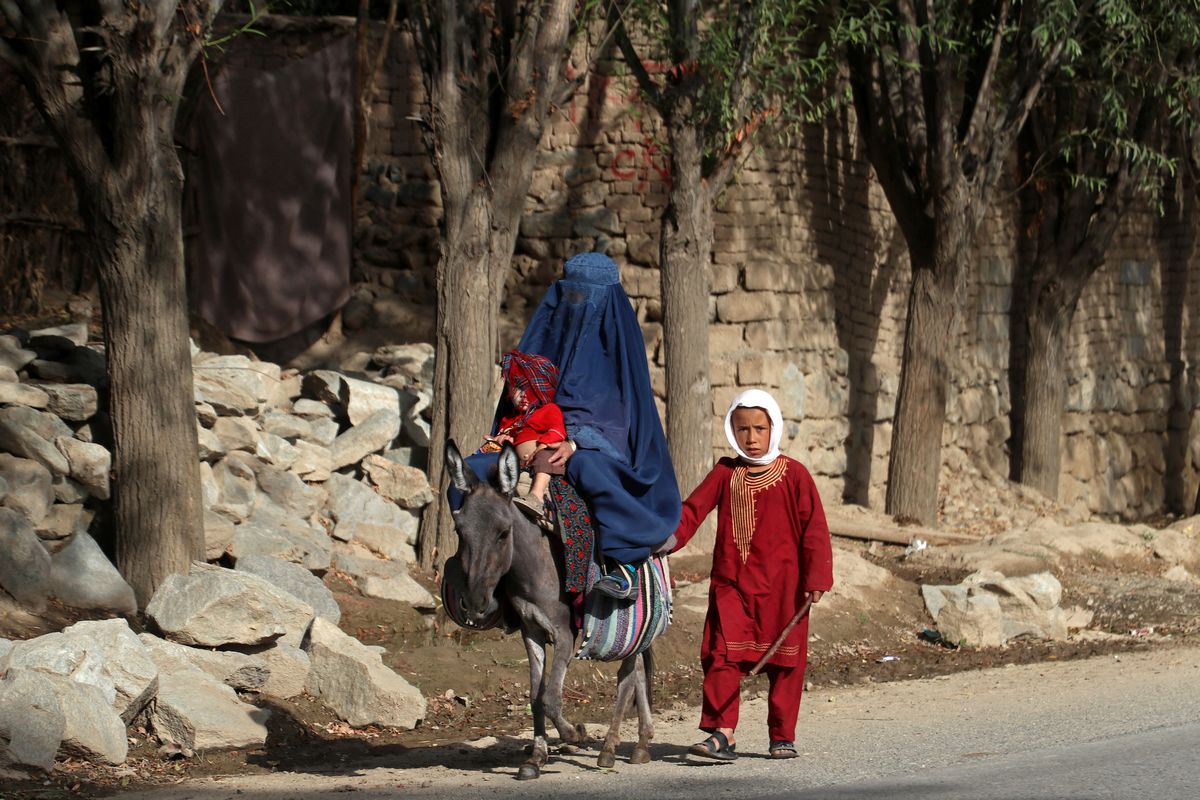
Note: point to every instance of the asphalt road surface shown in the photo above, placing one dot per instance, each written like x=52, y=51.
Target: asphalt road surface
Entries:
x=1125, y=728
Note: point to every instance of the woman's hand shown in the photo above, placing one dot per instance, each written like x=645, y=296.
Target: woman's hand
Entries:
x=560, y=452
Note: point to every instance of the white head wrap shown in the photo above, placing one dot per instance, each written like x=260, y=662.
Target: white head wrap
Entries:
x=757, y=398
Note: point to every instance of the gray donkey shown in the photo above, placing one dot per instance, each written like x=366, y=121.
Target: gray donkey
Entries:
x=508, y=563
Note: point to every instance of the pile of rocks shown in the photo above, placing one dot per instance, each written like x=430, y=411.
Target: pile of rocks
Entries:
x=301, y=474
x=225, y=633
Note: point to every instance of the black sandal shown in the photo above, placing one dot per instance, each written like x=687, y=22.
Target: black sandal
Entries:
x=782, y=748
x=715, y=746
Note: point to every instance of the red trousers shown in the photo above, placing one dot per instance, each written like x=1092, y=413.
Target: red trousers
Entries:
x=722, y=695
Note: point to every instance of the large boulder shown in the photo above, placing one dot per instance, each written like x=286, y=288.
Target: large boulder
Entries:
x=43, y=715
x=25, y=564
x=296, y=580
x=81, y=576
x=213, y=607
x=102, y=653
x=241, y=671
x=29, y=487
x=196, y=711
x=353, y=681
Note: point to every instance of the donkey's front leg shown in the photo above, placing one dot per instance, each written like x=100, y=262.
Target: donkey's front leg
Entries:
x=535, y=650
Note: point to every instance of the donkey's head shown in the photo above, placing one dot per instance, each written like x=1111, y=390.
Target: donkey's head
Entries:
x=485, y=523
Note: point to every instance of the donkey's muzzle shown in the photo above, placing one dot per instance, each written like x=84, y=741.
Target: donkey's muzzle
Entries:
x=478, y=618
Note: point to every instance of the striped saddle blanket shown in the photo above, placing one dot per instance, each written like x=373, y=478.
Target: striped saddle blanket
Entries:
x=615, y=629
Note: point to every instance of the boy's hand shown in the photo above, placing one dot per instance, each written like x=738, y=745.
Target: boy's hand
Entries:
x=816, y=596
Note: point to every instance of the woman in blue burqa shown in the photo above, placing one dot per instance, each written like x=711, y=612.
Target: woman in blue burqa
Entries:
x=615, y=454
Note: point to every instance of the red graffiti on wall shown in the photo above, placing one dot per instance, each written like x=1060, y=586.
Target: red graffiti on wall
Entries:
x=639, y=162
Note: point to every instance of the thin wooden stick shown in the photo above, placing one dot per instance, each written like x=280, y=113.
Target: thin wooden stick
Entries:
x=762, y=662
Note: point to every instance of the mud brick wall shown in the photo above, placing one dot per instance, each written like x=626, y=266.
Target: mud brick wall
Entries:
x=810, y=284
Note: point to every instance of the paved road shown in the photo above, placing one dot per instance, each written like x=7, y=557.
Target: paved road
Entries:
x=1097, y=729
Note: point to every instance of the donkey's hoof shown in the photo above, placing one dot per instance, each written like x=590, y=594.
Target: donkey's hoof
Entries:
x=528, y=749
x=528, y=772
x=640, y=755
x=607, y=759
x=581, y=734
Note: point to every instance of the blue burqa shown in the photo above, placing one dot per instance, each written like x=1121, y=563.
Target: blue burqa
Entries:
x=588, y=328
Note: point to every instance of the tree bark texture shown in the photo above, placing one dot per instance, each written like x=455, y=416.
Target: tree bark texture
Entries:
x=686, y=263
x=915, y=460
x=483, y=132
x=113, y=115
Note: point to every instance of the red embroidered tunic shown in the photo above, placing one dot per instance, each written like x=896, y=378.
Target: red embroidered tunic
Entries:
x=772, y=546
x=545, y=426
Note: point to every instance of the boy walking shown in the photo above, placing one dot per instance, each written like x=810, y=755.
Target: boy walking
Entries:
x=772, y=552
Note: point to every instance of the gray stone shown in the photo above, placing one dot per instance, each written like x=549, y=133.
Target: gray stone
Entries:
x=323, y=432
x=363, y=398
x=296, y=580
x=81, y=576
x=324, y=385
x=288, y=492
x=80, y=365
x=286, y=426
x=92, y=730
x=401, y=588
x=8, y=374
x=22, y=394
x=89, y=464
x=987, y=609
x=196, y=711
x=206, y=415
x=240, y=671
x=25, y=566
x=257, y=379
x=236, y=433
x=74, y=401
x=271, y=533
x=63, y=521
x=356, y=561
x=288, y=669
x=409, y=456
x=218, y=535
x=30, y=488
x=226, y=400
x=406, y=486
x=211, y=448
x=355, y=684
x=363, y=515
x=1176, y=546
x=69, y=491
x=31, y=434
x=214, y=606
x=418, y=431
x=311, y=409
x=313, y=462
x=237, y=488
x=13, y=356
x=412, y=360
x=103, y=653
x=276, y=450
x=32, y=721
x=74, y=332
x=375, y=433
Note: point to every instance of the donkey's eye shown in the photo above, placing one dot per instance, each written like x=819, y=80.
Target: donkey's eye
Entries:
x=504, y=534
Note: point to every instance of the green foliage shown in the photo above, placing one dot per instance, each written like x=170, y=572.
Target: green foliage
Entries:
x=740, y=67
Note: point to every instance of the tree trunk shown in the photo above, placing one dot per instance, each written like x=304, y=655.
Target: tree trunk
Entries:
x=1047, y=321
x=466, y=351
x=686, y=256
x=915, y=460
x=155, y=469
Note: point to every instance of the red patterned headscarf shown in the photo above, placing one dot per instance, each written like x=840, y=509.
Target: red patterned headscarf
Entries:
x=535, y=375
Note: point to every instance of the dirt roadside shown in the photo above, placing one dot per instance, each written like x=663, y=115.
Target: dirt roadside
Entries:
x=476, y=683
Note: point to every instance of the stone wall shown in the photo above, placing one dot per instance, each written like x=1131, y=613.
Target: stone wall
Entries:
x=809, y=292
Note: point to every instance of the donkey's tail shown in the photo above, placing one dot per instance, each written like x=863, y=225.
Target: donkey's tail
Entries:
x=648, y=668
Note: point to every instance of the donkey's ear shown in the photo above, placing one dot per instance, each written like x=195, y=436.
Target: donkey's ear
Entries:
x=462, y=476
x=509, y=471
